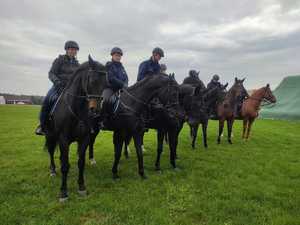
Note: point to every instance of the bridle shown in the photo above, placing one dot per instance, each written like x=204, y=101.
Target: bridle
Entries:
x=93, y=100
x=266, y=101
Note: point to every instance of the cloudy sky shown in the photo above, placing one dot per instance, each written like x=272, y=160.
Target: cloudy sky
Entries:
x=257, y=39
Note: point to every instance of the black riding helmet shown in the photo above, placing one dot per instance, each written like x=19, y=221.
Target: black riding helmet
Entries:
x=158, y=51
x=216, y=77
x=116, y=50
x=71, y=44
x=193, y=73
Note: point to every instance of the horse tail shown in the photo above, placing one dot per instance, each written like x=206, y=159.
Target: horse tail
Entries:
x=50, y=143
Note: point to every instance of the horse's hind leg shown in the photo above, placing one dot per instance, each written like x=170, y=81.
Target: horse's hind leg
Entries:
x=118, y=143
x=251, y=120
x=229, y=129
x=221, y=127
x=204, y=133
x=137, y=137
x=82, y=146
x=160, y=140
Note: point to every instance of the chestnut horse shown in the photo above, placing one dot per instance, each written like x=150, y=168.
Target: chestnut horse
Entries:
x=228, y=109
x=251, y=107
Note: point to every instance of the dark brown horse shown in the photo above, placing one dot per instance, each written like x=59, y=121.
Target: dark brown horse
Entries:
x=228, y=109
x=251, y=107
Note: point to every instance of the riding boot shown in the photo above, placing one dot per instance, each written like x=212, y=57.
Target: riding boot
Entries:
x=39, y=131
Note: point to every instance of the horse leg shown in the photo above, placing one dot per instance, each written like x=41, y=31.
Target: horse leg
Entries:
x=221, y=127
x=229, y=130
x=191, y=131
x=166, y=137
x=245, y=124
x=51, y=145
x=82, y=146
x=118, y=143
x=160, y=140
x=91, y=147
x=194, y=134
x=142, y=143
x=173, y=145
x=251, y=120
x=65, y=166
x=126, y=147
x=137, y=137
x=204, y=133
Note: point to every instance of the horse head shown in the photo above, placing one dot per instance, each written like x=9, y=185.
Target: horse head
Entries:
x=268, y=95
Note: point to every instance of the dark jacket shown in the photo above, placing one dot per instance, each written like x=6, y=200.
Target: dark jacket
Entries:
x=116, y=75
x=62, y=69
x=194, y=81
x=212, y=84
x=148, y=67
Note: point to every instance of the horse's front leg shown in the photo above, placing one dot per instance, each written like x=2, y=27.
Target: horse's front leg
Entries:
x=118, y=143
x=251, y=120
x=82, y=146
x=160, y=140
x=221, y=127
x=245, y=123
x=137, y=137
x=194, y=129
x=229, y=129
x=204, y=133
x=91, y=147
x=65, y=166
x=172, y=145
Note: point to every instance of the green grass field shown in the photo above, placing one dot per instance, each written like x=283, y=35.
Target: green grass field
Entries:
x=247, y=183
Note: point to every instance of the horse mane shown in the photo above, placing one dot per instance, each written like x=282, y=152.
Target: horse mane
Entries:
x=145, y=80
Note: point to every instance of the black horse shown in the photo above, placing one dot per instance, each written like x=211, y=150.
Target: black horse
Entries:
x=70, y=122
x=128, y=120
x=164, y=115
x=199, y=108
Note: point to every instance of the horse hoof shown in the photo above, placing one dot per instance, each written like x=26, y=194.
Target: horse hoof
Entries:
x=143, y=176
x=63, y=196
x=82, y=192
x=52, y=174
x=116, y=176
x=230, y=142
x=157, y=168
x=93, y=162
x=63, y=199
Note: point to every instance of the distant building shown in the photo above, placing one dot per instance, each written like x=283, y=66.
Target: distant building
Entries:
x=16, y=99
x=2, y=100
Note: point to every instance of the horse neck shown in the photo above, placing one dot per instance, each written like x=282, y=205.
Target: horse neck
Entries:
x=257, y=96
x=74, y=92
x=140, y=95
x=231, y=96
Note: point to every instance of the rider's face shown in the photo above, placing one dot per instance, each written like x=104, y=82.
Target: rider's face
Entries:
x=116, y=57
x=72, y=52
x=156, y=57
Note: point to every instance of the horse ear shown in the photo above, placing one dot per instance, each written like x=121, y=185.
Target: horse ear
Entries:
x=236, y=79
x=91, y=62
x=268, y=85
x=243, y=79
x=225, y=86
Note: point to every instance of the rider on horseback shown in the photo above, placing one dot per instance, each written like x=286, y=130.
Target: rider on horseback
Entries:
x=60, y=73
x=193, y=79
x=214, y=82
x=116, y=75
x=151, y=66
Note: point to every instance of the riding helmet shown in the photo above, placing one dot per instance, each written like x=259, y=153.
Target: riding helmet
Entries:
x=71, y=44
